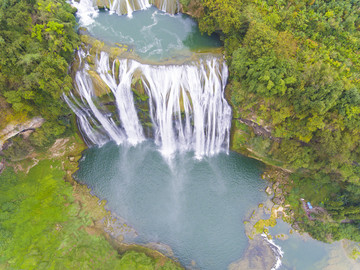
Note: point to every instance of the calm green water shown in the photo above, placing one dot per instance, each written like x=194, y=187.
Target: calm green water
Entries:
x=154, y=34
x=195, y=207
x=301, y=252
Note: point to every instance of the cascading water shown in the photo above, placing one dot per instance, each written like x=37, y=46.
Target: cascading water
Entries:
x=127, y=6
x=130, y=128
x=186, y=103
x=169, y=6
x=193, y=93
x=87, y=9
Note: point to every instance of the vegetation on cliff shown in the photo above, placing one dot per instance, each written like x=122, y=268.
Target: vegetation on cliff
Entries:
x=295, y=76
x=37, y=43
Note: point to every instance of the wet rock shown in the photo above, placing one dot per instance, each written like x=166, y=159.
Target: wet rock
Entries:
x=2, y=166
x=282, y=236
x=296, y=226
x=120, y=238
x=275, y=186
x=279, y=200
x=12, y=130
x=259, y=255
x=25, y=134
x=280, y=214
x=161, y=247
x=103, y=4
x=268, y=190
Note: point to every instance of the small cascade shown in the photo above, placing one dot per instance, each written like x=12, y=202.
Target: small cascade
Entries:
x=94, y=120
x=88, y=9
x=120, y=85
x=186, y=104
x=90, y=134
x=169, y=6
x=278, y=252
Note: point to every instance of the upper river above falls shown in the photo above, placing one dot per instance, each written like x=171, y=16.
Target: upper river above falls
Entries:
x=152, y=33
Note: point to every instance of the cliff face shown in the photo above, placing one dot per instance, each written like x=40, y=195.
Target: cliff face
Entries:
x=14, y=129
x=194, y=8
x=171, y=6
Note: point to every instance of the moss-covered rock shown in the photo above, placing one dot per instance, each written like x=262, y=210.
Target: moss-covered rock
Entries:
x=102, y=4
x=100, y=87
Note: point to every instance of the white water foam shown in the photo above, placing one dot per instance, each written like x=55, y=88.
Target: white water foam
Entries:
x=187, y=106
x=86, y=11
x=279, y=253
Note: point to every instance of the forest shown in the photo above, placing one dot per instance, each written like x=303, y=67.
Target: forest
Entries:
x=37, y=43
x=295, y=71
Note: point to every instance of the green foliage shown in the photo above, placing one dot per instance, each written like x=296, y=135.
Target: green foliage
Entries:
x=295, y=65
x=46, y=134
x=222, y=15
x=42, y=226
x=37, y=41
x=18, y=150
x=184, y=2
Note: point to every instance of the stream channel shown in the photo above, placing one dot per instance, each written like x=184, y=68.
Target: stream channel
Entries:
x=181, y=188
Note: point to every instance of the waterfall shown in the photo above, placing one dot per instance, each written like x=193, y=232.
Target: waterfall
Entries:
x=169, y=6
x=127, y=6
x=278, y=252
x=123, y=94
x=91, y=135
x=88, y=9
x=130, y=128
x=186, y=104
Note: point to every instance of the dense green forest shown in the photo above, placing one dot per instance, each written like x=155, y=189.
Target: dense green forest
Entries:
x=37, y=43
x=295, y=73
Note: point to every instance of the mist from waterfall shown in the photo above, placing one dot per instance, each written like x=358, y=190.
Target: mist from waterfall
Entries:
x=186, y=104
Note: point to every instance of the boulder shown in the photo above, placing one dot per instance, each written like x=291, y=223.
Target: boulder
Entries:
x=268, y=190
x=14, y=129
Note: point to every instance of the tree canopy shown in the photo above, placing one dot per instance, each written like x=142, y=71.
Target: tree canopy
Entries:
x=295, y=69
x=37, y=43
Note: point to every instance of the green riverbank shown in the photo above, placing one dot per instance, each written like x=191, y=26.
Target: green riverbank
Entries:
x=49, y=221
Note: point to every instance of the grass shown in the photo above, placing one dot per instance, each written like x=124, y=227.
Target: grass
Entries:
x=49, y=223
